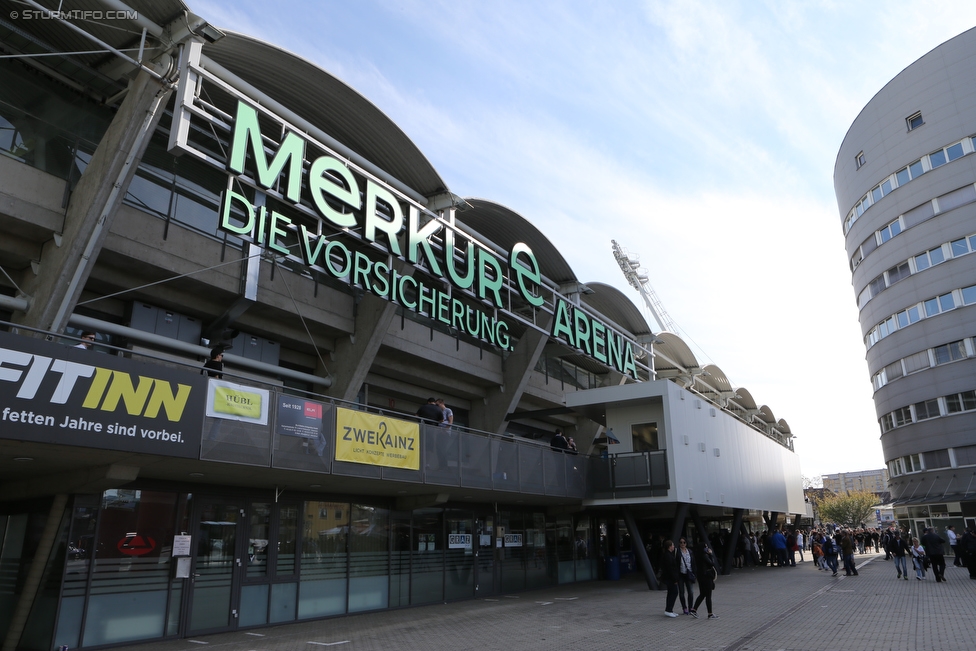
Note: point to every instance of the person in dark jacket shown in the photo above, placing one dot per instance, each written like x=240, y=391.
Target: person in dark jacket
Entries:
x=847, y=551
x=430, y=413
x=669, y=577
x=967, y=545
x=935, y=550
x=708, y=572
x=898, y=547
x=214, y=367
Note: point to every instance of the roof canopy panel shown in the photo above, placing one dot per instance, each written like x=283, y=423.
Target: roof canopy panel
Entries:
x=329, y=104
x=766, y=414
x=505, y=227
x=676, y=352
x=716, y=378
x=744, y=399
x=614, y=304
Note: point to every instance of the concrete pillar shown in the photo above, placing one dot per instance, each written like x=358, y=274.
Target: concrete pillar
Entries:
x=489, y=415
x=679, y=522
x=638, y=544
x=354, y=354
x=33, y=581
x=64, y=270
x=733, y=540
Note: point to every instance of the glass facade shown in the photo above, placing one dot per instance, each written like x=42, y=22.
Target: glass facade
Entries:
x=111, y=577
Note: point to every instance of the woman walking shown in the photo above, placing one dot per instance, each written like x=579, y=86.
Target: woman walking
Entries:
x=918, y=559
x=708, y=564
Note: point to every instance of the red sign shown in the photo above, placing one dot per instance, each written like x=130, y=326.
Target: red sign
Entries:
x=136, y=545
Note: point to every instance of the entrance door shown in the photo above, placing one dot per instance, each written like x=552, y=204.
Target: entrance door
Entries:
x=215, y=579
x=486, y=566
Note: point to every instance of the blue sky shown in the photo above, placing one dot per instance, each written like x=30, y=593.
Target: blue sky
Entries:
x=700, y=135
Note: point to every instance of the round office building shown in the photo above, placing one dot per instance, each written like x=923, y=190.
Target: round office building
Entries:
x=904, y=180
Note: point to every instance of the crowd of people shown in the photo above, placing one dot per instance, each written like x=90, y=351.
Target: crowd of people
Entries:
x=681, y=567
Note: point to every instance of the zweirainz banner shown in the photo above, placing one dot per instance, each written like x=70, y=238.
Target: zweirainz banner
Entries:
x=377, y=440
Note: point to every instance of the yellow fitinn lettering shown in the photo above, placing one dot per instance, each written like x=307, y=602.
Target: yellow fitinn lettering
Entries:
x=145, y=399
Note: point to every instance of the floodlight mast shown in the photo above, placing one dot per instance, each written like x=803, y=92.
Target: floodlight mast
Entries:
x=637, y=277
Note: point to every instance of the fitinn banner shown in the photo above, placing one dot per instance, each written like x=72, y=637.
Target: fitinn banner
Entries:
x=51, y=393
x=376, y=440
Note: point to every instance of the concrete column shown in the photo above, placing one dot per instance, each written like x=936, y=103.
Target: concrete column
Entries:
x=679, y=522
x=638, y=544
x=36, y=572
x=733, y=540
x=489, y=415
x=64, y=270
x=354, y=354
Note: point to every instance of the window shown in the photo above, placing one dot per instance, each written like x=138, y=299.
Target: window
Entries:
x=893, y=371
x=889, y=231
x=644, y=437
x=969, y=295
x=859, y=160
x=914, y=121
x=877, y=285
x=966, y=456
x=937, y=159
x=957, y=402
x=902, y=176
x=913, y=463
x=902, y=416
x=954, y=151
x=917, y=362
x=936, y=459
x=950, y=352
x=886, y=423
x=898, y=272
x=916, y=169
x=879, y=380
x=946, y=302
x=926, y=409
x=959, y=247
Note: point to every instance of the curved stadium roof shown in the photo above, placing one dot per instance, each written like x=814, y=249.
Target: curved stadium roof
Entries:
x=330, y=104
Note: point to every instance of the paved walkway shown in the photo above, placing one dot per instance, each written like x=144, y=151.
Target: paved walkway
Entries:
x=798, y=608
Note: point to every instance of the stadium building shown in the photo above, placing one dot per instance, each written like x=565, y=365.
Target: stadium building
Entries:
x=180, y=191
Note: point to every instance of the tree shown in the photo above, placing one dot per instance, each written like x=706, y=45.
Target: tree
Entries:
x=812, y=482
x=850, y=509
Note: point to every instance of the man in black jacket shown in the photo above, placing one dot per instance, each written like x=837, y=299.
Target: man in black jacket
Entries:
x=933, y=544
x=669, y=577
x=967, y=544
x=430, y=413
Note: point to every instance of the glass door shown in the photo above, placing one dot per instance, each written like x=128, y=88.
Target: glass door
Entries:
x=485, y=567
x=215, y=578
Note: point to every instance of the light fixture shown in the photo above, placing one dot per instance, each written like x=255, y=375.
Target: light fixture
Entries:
x=196, y=474
x=23, y=458
x=315, y=485
x=209, y=33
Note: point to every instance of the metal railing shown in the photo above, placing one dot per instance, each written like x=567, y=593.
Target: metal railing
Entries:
x=449, y=456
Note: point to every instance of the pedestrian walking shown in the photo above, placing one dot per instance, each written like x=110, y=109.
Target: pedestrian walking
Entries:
x=669, y=577
x=708, y=566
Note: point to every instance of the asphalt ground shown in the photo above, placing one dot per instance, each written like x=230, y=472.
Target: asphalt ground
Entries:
x=761, y=608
